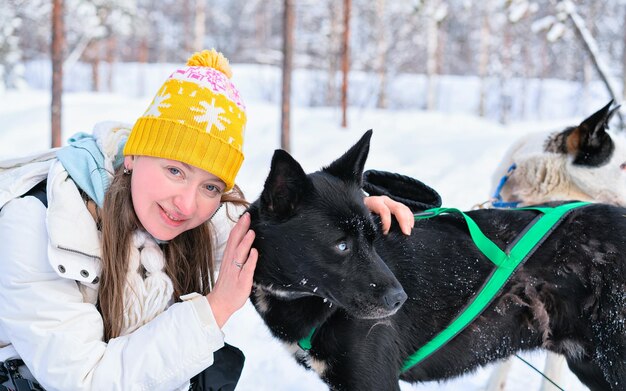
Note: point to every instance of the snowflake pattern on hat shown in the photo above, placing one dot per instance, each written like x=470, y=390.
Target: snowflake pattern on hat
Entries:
x=211, y=115
x=158, y=101
x=197, y=117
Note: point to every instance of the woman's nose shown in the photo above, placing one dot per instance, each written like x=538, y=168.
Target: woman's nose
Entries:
x=185, y=202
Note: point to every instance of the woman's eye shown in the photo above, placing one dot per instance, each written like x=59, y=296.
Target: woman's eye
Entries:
x=213, y=190
x=173, y=170
x=342, y=246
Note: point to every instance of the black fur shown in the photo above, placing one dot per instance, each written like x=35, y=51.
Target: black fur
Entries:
x=323, y=263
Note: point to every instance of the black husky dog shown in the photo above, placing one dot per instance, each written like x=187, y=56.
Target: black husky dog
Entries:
x=373, y=300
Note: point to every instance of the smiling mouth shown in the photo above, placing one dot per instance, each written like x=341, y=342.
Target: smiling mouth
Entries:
x=171, y=220
x=171, y=217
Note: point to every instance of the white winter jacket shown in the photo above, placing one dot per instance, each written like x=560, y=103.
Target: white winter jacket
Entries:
x=49, y=273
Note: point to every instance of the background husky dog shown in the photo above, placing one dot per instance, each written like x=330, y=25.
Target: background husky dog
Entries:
x=323, y=264
x=582, y=162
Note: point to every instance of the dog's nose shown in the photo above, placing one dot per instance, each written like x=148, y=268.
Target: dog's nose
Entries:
x=394, y=298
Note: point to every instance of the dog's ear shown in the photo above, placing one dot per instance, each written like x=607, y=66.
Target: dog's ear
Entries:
x=284, y=186
x=590, y=143
x=598, y=122
x=349, y=167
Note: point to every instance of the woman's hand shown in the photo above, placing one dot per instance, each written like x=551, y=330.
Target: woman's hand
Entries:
x=385, y=207
x=234, y=281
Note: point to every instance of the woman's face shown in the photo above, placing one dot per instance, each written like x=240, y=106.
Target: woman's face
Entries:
x=171, y=197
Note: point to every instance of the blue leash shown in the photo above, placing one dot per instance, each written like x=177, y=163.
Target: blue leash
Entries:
x=497, y=197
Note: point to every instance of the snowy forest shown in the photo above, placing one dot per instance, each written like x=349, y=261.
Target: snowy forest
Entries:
x=508, y=48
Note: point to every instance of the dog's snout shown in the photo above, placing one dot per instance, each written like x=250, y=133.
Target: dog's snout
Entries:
x=394, y=298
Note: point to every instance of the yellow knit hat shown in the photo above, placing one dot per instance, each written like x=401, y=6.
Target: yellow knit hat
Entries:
x=197, y=117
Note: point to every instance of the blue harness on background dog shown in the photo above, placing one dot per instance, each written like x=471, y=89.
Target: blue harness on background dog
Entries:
x=497, y=197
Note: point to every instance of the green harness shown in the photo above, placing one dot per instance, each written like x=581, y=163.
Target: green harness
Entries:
x=505, y=264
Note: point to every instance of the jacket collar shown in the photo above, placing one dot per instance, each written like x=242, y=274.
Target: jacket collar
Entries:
x=74, y=247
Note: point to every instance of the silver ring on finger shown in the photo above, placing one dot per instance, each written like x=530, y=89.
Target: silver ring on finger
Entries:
x=237, y=264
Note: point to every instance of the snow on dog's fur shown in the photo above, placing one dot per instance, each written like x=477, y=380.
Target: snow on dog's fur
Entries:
x=583, y=162
x=369, y=301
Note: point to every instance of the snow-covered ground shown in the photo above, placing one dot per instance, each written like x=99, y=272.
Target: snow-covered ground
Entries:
x=453, y=153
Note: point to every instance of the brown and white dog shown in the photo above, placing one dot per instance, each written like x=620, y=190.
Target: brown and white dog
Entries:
x=583, y=162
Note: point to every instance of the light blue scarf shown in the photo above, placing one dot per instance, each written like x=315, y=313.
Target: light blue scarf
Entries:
x=84, y=161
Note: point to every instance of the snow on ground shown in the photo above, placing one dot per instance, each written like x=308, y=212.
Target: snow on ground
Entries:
x=453, y=153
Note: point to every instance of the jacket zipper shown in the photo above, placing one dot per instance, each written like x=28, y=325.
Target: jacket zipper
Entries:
x=79, y=252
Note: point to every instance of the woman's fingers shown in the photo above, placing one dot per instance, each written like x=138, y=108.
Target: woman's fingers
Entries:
x=376, y=205
x=403, y=214
x=238, y=231
x=247, y=271
x=385, y=207
x=234, y=281
x=385, y=215
x=243, y=250
x=237, y=247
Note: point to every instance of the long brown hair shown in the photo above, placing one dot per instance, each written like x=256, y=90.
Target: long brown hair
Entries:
x=188, y=257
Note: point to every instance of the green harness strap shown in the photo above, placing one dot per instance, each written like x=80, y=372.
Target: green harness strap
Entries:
x=305, y=343
x=505, y=265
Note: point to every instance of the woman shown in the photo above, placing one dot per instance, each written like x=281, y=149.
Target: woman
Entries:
x=106, y=278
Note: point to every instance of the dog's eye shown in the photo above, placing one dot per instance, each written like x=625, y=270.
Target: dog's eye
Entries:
x=342, y=246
